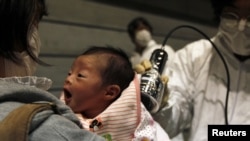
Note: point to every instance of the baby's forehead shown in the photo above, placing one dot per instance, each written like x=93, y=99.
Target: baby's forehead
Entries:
x=94, y=60
x=99, y=57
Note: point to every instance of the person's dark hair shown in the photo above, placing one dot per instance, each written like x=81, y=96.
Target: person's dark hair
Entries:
x=118, y=68
x=134, y=24
x=218, y=6
x=18, y=19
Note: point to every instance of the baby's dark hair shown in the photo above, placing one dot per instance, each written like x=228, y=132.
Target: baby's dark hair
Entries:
x=134, y=24
x=18, y=19
x=118, y=68
x=218, y=6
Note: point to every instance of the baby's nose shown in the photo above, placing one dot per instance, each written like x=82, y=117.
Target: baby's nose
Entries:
x=68, y=80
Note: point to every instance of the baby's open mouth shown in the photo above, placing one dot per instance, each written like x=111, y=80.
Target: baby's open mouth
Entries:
x=67, y=96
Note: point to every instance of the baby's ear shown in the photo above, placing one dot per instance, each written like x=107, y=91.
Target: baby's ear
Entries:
x=113, y=91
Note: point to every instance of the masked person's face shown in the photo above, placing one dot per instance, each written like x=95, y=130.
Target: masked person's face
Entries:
x=143, y=37
x=235, y=27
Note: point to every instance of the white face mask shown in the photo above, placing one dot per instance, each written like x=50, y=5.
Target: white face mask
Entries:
x=236, y=36
x=143, y=37
x=35, y=42
x=35, y=45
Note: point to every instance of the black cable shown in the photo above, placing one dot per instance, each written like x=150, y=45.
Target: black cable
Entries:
x=223, y=60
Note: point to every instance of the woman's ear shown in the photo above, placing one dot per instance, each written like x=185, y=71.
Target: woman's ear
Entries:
x=113, y=92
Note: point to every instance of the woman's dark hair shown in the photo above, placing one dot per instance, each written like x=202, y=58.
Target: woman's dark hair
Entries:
x=18, y=19
x=134, y=24
x=117, y=67
x=218, y=6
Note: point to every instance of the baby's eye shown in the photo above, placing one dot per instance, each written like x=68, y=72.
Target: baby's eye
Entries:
x=69, y=73
x=80, y=75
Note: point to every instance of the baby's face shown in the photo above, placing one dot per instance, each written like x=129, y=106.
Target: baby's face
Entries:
x=83, y=89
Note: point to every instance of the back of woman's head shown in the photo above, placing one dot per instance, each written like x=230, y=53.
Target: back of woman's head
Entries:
x=117, y=67
x=18, y=20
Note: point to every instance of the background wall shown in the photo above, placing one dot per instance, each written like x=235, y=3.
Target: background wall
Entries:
x=73, y=25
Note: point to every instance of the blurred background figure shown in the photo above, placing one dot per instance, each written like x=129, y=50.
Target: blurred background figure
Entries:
x=140, y=32
x=199, y=84
x=19, y=40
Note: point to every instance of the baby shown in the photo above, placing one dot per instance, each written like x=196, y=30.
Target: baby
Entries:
x=103, y=90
